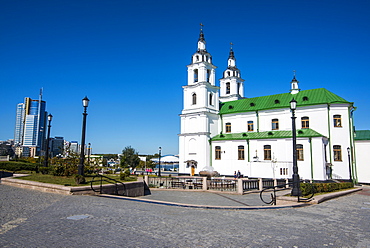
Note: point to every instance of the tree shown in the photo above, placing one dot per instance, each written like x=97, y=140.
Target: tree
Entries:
x=129, y=158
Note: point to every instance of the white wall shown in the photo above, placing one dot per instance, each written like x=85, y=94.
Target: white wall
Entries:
x=363, y=160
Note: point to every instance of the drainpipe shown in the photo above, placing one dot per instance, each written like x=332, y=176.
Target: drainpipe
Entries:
x=258, y=121
x=249, y=158
x=310, y=140
x=210, y=152
x=351, y=109
x=329, y=130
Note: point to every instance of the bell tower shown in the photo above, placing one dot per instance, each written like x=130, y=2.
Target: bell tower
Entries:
x=232, y=85
x=199, y=117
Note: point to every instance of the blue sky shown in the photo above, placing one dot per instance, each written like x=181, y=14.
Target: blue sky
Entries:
x=130, y=57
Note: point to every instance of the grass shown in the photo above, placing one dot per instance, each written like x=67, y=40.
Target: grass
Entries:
x=68, y=181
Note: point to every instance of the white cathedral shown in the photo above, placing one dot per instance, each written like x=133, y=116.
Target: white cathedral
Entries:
x=223, y=130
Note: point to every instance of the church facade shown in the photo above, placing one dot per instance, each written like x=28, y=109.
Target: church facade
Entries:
x=223, y=130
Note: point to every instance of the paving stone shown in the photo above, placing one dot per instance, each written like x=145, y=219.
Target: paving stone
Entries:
x=341, y=222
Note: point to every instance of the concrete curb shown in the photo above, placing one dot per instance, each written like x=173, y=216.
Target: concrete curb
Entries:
x=321, y=198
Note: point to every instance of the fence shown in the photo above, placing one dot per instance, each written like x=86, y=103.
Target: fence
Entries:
x=238, y=186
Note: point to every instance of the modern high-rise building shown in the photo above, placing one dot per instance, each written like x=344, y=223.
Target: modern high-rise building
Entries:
x=30, y=125
x=56, y=146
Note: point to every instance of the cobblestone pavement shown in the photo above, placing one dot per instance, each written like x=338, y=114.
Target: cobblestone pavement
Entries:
x=206, y=198
x=34, y=219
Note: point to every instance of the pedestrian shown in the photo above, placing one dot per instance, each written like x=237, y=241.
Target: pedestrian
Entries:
x=235, y=175
x=238, y=175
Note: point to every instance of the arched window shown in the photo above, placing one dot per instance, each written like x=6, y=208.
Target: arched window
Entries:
x=337, y=153
x=210, y=98
x=196, y=75
x=240, y=152
x=227, y=88
x=267, y=152
x=218, y=152
x=208, y=75
x=337, y=121
x=194, y=98
x=299, y=150
x=250, y=126
x=305, y=122
x=275, y=124
x=228, y=127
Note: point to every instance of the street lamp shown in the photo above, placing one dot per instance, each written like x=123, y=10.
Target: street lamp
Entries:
x=88, y=153
x=159, y=162
x=349, y=163
x=50, y=117
x=85, y=103
x=296, y=185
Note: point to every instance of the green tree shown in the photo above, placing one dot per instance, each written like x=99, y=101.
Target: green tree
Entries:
x=129, y=158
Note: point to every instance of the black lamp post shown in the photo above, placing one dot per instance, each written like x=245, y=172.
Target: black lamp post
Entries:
x=85, y=103
x=349, y=163
x=296, y=185
x=46, y=161
x=88, y=153
x=159, y=162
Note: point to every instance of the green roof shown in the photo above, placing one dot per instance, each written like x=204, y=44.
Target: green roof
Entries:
x=306, y=132
x=303, y=98
x=362, y=135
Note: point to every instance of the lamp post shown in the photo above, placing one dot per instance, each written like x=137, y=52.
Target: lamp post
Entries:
x=85, y=103
x=88, y=153
x=46, y=161
x=349, y=163
x=159, y=162
x=296, y=185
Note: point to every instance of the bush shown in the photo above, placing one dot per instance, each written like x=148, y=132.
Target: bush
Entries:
x=123, y=175
x=328, y=187
x=44, y=170
x=18, y=166
x=79, y=179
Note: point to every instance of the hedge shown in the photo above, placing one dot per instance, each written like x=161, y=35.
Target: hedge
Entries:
x=18, y=166
x=306, y=188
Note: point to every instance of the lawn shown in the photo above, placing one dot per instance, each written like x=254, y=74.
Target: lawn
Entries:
x=68, y=181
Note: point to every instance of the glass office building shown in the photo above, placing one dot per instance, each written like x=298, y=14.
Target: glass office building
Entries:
x=30, y=126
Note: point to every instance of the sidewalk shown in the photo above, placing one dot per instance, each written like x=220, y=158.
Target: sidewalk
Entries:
x=193, y=199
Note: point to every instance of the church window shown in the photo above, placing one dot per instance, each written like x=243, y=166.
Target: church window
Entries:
x=210, y=98
x=208, y=74
x=197, y=57
x=228, y=127
x=218, y=152
x=299, y=151
x=337, y=153
x=227, y=88
x=267, y=152
x=305, y=98
x=275, y=124
x=240, y=152
x=305, y=122
x=283, y=171
x=194, y=98
x=196, y=75
x=250, y=126
x=277, y=101
x=228, y=74
x=337, y=121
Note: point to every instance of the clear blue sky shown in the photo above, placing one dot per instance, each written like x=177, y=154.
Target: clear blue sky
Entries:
x=130, y=57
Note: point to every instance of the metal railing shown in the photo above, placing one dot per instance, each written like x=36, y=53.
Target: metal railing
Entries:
x=222, y=184
x=270, y=197
x=118, y=186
